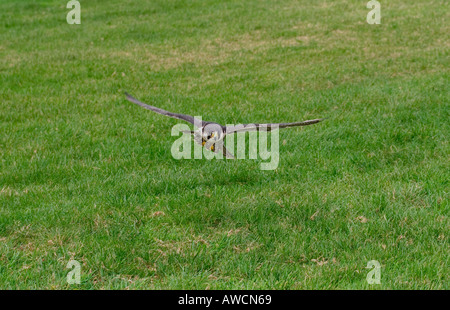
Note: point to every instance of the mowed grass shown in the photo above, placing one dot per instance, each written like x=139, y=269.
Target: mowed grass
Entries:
x=86, y=175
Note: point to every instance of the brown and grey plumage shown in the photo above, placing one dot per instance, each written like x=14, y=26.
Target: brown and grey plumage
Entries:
x=210, y=134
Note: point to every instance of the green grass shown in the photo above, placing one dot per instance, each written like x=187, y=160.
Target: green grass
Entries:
x=86, y=175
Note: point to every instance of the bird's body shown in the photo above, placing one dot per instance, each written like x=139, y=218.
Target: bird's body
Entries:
x=210, y=135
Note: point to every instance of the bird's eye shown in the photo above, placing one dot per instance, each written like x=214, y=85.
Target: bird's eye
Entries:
x=209, y=137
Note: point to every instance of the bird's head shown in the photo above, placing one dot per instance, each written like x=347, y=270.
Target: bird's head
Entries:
x=212, y=132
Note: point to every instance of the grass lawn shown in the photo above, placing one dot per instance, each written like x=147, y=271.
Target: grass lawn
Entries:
x=86, y=175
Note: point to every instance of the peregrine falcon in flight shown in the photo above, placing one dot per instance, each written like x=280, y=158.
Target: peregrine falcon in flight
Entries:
x=210, y=134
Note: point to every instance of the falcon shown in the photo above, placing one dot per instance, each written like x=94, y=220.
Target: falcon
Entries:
x=210, y=134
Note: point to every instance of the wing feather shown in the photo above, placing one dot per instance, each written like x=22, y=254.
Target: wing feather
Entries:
x=269, y=126
x=184, y=117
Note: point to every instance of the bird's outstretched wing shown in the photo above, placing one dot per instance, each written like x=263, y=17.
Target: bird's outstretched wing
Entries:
x=270, y=126
x=184, y=117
